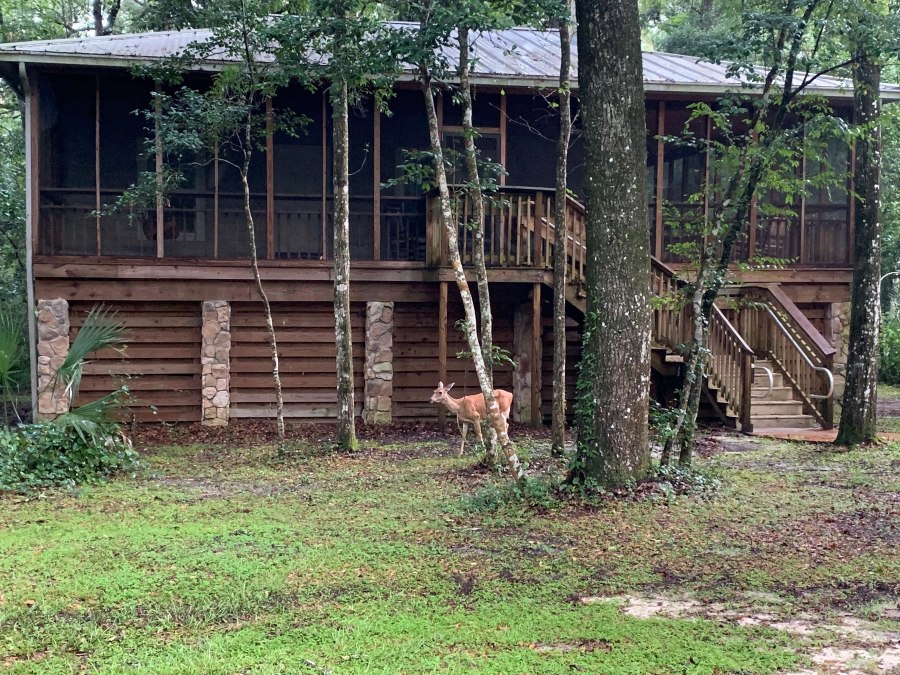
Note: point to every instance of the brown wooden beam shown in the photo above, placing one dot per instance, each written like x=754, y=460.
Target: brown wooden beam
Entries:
x=442, y=342
x=376, y=181
x=270, y=180
x=536, y=342
x=660, y=175
x=160, y=204
x=503, y=137
x=97, y=161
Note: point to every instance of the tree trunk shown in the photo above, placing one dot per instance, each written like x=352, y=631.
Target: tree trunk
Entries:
x=558, y=425
x=475, y=196
x=462, y=284
x=346, y=432
x=858, y=415
x=613, y=388
x=254, y=263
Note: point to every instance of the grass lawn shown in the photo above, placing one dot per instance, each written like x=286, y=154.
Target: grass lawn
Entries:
x=220, y=558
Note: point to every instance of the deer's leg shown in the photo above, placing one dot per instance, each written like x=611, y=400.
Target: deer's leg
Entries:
x=477, y=425
x=464, y=430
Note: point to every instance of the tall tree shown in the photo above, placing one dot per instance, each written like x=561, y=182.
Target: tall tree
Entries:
x=858, y=413
x=228, y=120
x=361, y=59
x=613, y=386
x=558, y=430
x=423, y=49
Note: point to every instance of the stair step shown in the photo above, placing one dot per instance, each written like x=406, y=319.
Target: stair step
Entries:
x=760, y=379
x=777, y=394
x=764, y=407
x=784, y=422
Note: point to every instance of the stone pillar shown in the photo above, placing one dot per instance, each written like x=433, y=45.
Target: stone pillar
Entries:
x=522, y=347
x=52, y=348
x=379, y=374
x=838, y=333
x=215, y=360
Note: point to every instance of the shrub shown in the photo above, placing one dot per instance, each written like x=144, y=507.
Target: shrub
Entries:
x=45, y=454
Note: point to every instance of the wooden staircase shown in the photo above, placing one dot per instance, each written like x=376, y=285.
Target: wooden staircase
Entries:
x=768, y=366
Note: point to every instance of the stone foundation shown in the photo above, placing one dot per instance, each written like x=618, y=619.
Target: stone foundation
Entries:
x=52, y=348
x=215, y=362
x=379, y=373
x=838, y=334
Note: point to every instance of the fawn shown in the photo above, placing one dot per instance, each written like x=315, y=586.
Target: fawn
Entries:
x=471, y=409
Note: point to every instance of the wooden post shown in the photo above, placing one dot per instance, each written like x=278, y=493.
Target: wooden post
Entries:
x=324, y=174
x=442, y=343
x=746, y=393
x=660, y=176
x=536, y=342
x=32, y=209
x=503, y=137
x=803, y=208
x=376, y=181
x=270, y=180
x=216, y=200
x=538, y=229
x=97, y=161
x=160, y=203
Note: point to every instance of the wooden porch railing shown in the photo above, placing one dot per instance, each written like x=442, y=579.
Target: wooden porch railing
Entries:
x=520, y=231
x=779, y=331
x=730, y=363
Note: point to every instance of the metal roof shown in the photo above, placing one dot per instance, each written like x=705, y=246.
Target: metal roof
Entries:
x=512, y=57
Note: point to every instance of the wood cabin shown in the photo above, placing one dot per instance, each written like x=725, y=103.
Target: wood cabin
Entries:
x=179, y=277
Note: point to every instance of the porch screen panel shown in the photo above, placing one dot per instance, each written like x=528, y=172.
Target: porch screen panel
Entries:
x=402, y=217
x=485, y=110
x=126, y=150
x=827, y=212
x=532, y=129
x=67, y=164
x=683, y=174
x=298, y=176
x=233, y=240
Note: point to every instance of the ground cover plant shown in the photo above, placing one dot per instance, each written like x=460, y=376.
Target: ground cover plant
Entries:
x=221, y=557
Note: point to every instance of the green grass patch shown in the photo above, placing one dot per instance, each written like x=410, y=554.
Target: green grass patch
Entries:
x=404, y=558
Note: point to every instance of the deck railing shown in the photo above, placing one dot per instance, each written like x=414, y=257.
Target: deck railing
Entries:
x=779, y=331
x=730, y=362
x=519, y=231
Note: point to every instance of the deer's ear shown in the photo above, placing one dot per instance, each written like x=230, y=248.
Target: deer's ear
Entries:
x=449, y=386
x=440, y=385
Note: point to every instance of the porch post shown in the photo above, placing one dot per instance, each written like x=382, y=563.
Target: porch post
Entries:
x=215, y=360
x=52, y=349
x=379, y=373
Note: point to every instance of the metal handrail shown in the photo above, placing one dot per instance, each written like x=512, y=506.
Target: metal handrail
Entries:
x=787, y=333
x=771, y=377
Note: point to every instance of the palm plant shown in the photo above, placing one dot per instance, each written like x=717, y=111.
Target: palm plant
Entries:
x=12, y=361
x=101, y=330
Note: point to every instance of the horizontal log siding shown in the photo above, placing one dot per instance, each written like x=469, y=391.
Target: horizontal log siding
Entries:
x=306, y=349
x=416, y=359
x=161, y=365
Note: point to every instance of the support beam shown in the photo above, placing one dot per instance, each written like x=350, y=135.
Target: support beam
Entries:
x=660, y=176
x=270, y=180
x=97, y=162
x=503, y=137
x=160, y=204
x=376, y=181
x=536, y=417
x=32, y=206
x=442, y=343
